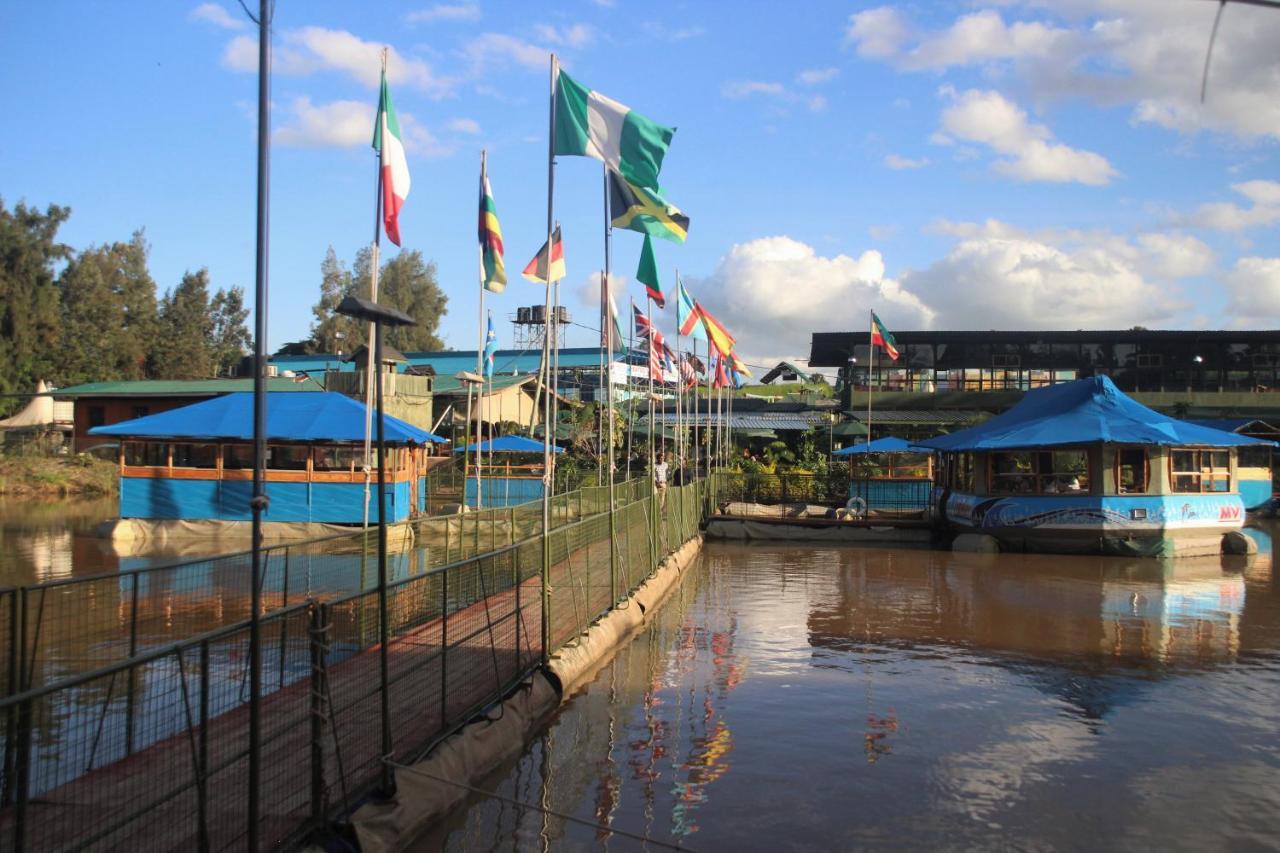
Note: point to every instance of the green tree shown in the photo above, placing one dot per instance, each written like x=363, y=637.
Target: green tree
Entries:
x=331, y=332
x=182, y=349
x=108, y=314
x=229, y=336
x=29, y=318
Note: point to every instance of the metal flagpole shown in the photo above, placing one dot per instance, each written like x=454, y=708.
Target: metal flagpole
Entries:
x=370, y=369
x=481, y=339
x=258, y=504
x=606, y=307
x=548, y=459
x=631, y=397
x=871, y=367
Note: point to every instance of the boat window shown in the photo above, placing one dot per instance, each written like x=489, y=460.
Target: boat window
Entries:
x=337, y=458
x=281, y=457
x=1254, y=457
x=1200, y=471
x=1045, y=472
x=237, y=457
x=195, y=455
x=147, y=453
x=1131, y=470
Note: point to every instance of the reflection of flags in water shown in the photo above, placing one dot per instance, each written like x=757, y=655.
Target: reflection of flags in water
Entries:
x=490, y=348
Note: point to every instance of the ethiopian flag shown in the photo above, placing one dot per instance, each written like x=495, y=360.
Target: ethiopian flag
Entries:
x=647, y=273
x=880, y=337
x=493, y=270
x=640, y=209
x=395, y=169
x=588, y=124
x=536, y=271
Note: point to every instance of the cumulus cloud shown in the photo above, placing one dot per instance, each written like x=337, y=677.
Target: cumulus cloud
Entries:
x=310, y=50
x=348, y=124
x=897, y=161
x=497, y=50
x=774, y=292
x=1149, y=55
x=662, y=32
x=1016, y=283
x=1253, y=288
x=468, y=126
x=1229, y=216
x=577, y=35
x=212, y=13
x=588, y=292
x=1030, y=154
x=739, y=89
x=817, y=76
x=444, y=12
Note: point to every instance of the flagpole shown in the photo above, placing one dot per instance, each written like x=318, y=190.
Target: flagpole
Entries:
x=606, y=324
x=369, y=370
x=679, y=376
x=631, y=397
x=548, y=459
x=871, y=366
x=480, y=346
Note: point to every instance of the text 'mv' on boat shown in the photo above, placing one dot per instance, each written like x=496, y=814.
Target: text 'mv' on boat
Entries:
x=1082, y=467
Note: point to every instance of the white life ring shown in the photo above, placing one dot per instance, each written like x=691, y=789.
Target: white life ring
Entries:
x=856, y=506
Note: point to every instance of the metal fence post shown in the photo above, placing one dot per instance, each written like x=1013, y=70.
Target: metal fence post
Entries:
x=284, y=623
x=444, y=647
x=24, y=776
x=202, y=779
x=130, y=682
x=317, y=642
x=11, y=716
x=515, y=568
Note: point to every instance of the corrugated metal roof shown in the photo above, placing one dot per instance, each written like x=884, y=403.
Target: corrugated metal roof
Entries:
x=797, y=421
x=920, y=416
x=183, y=387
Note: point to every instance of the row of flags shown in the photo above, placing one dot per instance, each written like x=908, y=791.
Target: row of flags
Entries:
x=633, y=147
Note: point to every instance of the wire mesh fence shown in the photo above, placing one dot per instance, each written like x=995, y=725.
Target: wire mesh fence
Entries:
x=152, y=751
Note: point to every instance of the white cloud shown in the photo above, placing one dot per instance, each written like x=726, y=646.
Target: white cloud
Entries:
x=340, y=123
x=895, y=161
x=1017, y=283
x=1253, y=288
x=468, y=126
x=774, y=292
x=817, y=76
x=589, y=294
x=746, y=88
x=988, y=118
x=1174, y=255
x=663, y=33
x=1149, y=55
x=310, y=50
x=212, y=13
x=739, y=89
x=497, y=50
x=444, y=12
x=1228, y=216
x=578, y=35
x=348, y=124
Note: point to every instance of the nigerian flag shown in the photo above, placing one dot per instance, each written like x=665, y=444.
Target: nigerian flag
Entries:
x=588, y=124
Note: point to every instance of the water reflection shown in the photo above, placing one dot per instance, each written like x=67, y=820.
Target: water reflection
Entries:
x=839, y=697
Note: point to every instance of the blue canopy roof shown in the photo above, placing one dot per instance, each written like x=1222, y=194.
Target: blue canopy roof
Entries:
x=321, y=416
x=1082, y=412
x=510, y=444
x=888, y=444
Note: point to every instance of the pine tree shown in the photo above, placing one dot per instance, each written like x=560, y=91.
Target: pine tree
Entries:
x=138, y=295
x=29, y=320
x=182, y=349
x=409, y=284
x=229, y=336
x=332, y=332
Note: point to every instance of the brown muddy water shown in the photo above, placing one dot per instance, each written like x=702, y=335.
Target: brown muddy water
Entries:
x=839, y=698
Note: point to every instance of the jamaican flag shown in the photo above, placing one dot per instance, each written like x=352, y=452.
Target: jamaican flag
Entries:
x=638, y=208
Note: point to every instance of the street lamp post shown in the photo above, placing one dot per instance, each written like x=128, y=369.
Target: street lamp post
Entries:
x=380, y=315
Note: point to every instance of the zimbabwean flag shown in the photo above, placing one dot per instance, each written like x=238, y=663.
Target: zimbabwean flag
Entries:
x=880, y=336
x=637, y=208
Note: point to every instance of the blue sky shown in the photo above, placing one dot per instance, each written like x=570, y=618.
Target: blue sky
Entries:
x=951, y=165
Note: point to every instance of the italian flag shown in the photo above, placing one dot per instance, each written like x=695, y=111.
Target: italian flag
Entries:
x=880, y=336
x=588, y=124
x=395, y=169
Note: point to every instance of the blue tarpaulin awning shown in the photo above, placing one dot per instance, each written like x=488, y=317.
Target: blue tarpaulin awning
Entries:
x=1085, y=411
x=509, y=444
x=888, y=444
x=319, y=416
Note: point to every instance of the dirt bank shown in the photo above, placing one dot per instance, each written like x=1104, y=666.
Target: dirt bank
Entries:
x=44, y=476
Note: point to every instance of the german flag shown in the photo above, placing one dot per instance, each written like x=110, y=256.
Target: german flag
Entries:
x=536, y=271
x=637, y=208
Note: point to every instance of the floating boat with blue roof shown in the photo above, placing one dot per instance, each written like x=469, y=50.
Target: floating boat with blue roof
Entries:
x=1081, y=467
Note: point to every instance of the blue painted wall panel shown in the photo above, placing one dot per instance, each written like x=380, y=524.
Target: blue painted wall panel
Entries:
x=500, y=491
x=228, y=500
